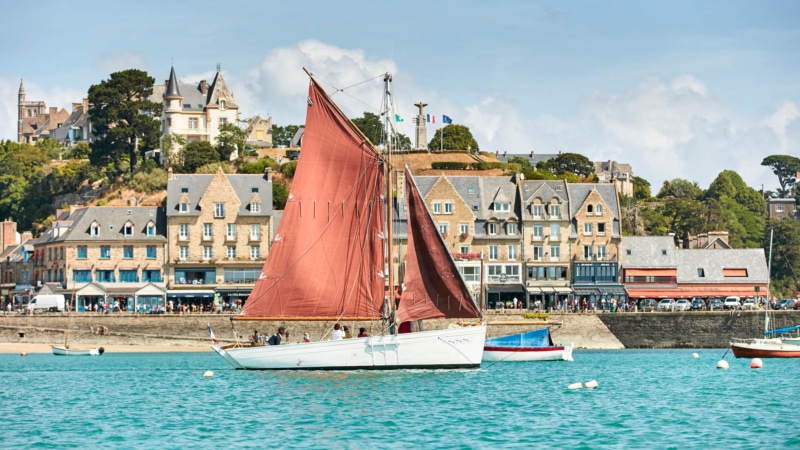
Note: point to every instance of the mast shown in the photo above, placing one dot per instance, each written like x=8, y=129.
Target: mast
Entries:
x=769, y=275
x=387, y=79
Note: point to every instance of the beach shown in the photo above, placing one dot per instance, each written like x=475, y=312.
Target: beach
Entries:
x=30, y=348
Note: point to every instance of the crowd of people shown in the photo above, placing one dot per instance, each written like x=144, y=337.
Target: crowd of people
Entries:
x=337, y=333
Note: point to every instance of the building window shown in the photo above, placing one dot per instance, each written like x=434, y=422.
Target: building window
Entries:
x=255, y=207
x=184, y=207
x=555, y=252
x=127, y=229
x=778, y=208
x=464, y=249
x=255, y=252
x=151, y=252
x=105, y=276
x=82, y=252
x=538, y=252
x=151, y=229
x=502, y=207
x=231, y=234
x=208, y=252
x=94, y=230
x=437, y=208
x=193, y=123
x=511, y=229
x=601, y=229
x=555, y=211
x=587, y=228
x=555, y=232
x=208, y=232
x=512, y=252
x=219, y=210
x=601, y=252
x=231, y=252
x=443, y=228
x=537, y=211
x=222, y=105
x=153, y=276
x=448, y=207
x=463, y=228
x=105, y=252
x=223, y=120
x=598, y=210
x=255, y=232
x=589, y=210
x=128, y=276
x=492, y=229
x=127, y=252
x=538, y=232
x=470, y=273
x=587, y=252
x=183, y=231
x=184, y=253
x=82, y=276
x=701, y=272
x=493, y=252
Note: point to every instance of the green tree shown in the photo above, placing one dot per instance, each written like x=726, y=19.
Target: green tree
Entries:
x=124, y=121
x=171, y=146
x=680, y=188
x=684, y=216
x=280, y=193
x=52, y=148
x=197, y=154
x=453, y=137
x=785, y=256
x=786, y=168
x=372, y=127
x=282, y=135
x=231, y=139
x=81, y=150
x=565, y=163
x=641, y=188
x=259, y=166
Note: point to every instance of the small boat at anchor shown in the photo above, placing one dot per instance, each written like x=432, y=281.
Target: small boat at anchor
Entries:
x=536, y=345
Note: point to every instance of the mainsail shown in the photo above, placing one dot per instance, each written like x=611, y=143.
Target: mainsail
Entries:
x=433, y=288
x=327, y=257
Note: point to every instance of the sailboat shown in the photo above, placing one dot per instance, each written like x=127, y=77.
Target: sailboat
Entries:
x=536, y=345
x=765, y=347
x=66, y=350
x=332, y=256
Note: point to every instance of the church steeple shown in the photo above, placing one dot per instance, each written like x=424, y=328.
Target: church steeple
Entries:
x=172, y=85
x=21, y=87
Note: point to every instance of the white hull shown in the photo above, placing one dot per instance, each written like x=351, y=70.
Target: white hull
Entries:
x=519, y=354
x=62, y=351
x=791, y=341
x=438, y=349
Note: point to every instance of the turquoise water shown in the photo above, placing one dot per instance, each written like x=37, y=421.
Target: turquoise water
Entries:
x=645, y=399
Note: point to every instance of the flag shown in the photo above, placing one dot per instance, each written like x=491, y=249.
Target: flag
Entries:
x=430, y=118
x=397, y=118
x=446, y=119
x=211, y=332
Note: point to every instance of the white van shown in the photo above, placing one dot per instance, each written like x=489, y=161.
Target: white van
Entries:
x=47, y=302
x=731, y=302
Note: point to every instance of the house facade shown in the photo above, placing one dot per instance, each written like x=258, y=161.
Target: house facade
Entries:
x=219, y=228
x=34, y=119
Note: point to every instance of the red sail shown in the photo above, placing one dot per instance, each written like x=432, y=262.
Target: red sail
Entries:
x=433, y=288
x=327, y=257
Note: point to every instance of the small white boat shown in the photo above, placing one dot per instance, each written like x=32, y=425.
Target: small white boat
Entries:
x=534, y=345
x=64, y=351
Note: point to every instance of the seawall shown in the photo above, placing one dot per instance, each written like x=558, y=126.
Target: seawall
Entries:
x=585, y=331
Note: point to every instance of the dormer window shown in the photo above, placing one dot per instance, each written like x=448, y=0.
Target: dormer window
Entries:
x=502, y=207
x=222, y=104
x=219, y=210
x=184, y=190
x=555, y=211
x=151, y=229
x=255, y=207
x=94, y=229
x=184, y=207
x=127, y=229
x=492, y=229
x=537, y=211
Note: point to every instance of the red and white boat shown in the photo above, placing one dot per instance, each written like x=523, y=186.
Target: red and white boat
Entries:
x=534, y=345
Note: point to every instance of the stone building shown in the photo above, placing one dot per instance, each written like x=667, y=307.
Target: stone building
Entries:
x=195, y=111
x=620, y=174
x=259, y=132
x=219, y=229
x=595, y=236
x=34, y=119
x=77, y=127
x=782, y=208
x=545, y=239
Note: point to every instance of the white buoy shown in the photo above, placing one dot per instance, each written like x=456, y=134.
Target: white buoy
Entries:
x=722, y=364
x=695, y=355
x=756, y=363
x=574, y=386
x=590, y=384
x=208, y=374
x=23, y=354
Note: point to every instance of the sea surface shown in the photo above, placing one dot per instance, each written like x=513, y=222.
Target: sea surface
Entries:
x=645, y=399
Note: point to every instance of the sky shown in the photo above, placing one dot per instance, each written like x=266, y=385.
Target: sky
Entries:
x=676, y=89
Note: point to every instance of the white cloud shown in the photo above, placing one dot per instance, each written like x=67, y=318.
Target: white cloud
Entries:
x=122, y=61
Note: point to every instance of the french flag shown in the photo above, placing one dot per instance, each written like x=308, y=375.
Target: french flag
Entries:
x=211, y=332
x=430, y=118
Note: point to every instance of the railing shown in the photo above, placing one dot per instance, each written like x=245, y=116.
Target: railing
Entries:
x=466, y=256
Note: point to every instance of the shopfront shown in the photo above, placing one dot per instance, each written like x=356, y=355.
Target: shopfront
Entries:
x=190, y=301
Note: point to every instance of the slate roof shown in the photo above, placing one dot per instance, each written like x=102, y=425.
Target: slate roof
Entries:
x=196, y=186
x=111, y=220
x=193, y=98
x=713, y=261
x=578, y=192
x=535, y=159
x=647, y=252
x=546, y=190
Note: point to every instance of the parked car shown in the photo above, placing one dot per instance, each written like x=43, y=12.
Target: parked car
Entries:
x=648, y=304
x=715, y=303
x=797, y=304
x=698, y=304
x=786, y=303
x=666, y=304
x=749, y=303
x=682, y=305
x=731, y=303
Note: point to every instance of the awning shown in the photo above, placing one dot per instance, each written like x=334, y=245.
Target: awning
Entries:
x=506, y=288
x=534, y=290
x=651, y=272
x=606, y=290
x=547, y=289
x=190, y=294
x=562, y=290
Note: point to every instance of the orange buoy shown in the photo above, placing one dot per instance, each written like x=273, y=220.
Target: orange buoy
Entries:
x=756, y=363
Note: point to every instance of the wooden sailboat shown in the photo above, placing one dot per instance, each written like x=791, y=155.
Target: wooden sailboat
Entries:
x=765, y=347
x=331, y=256
x=66, y=350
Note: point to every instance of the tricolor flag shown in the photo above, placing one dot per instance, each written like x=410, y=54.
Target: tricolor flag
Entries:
x=211, y=332
x=446, y=119
x=397, y=118
x=430, y=118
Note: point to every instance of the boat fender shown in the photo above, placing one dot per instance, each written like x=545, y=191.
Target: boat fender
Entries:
x=101, y=350
x=722, y=364
x=574, y=386
x=208, y=374
x=590, y=384
x=756, y=363
x=695, y=355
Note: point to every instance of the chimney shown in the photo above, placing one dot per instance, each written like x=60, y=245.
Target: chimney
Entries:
x=86, y=106
x=75, y=106
x=532, y=153
x=8, y=234
x=25, y=236
x=505, y=153
x=169, y=173
x=53, y=112
x=268, y=174
x=204, y=87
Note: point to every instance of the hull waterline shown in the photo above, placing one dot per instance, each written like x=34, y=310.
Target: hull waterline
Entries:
x=63, y=351
x=765, y=349
x=522, y=354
